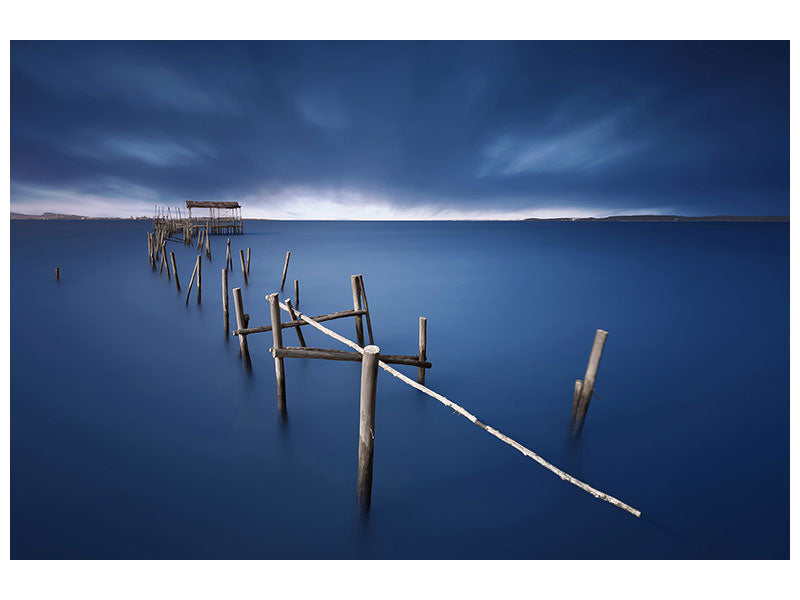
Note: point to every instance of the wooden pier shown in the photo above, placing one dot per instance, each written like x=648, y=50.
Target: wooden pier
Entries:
x=369, y=355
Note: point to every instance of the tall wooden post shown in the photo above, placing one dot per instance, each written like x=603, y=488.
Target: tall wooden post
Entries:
x=366, y=425
x=175, y=270
x=277, y=342
x=248, y=262
x=228, y=259
x=296, y=294
x=587, y=385
x=240, y=322
x=208, y=244
x=225, y=317
x=423, y=348
x=357, y=306
x=285, y=268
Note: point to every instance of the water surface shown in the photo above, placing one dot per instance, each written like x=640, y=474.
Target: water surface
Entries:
x=136, y=433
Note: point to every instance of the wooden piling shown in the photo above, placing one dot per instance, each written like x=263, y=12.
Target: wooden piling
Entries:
x=277, y=342
x=225, y=314
x=240, y=322
x=175, y=270
x=366, y=307
x=248, y=262
x=587, y=385
x=423, y=348
x=285, y=268
x=354, y=283
x=294, y=318
x=228, y=259
x=58, y=274
x=366, y=425
x=191, y=281
x=244, y=269
x=296, y=294
x=199, y=277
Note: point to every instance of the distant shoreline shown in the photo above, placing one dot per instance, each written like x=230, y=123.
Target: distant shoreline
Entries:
x=617, y=218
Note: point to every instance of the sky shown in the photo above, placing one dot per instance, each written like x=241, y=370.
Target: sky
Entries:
x=401, y=130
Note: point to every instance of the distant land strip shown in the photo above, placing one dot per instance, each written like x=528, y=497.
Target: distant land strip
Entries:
x=49, y=216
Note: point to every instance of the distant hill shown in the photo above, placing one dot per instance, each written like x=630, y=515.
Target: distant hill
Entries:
x=674, y=218
x=48, y=216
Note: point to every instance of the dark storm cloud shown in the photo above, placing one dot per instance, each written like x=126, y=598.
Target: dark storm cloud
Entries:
x=409, y=128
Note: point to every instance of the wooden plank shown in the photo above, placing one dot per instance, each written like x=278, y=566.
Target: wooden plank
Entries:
x=321, y=318
x=344, y=355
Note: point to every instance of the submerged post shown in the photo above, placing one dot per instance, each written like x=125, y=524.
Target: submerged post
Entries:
x=293, y=316
x=240, y=322
x=244, y=270
x=296, y=294
x=354, y=283
x=199, y=277
x=423, y=348
x=366, y=307
x=587, y=385
x=277, y=342
x=228, y=259
x=191, y=280
x=366, y=425
x=225, y=317
x=285, y=268
x=248, y=262
x=58, y=274
x=175, y=270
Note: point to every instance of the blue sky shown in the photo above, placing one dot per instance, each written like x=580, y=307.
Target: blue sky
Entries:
x=401, y=130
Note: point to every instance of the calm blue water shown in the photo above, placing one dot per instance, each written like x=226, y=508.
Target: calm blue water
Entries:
x=136, y=433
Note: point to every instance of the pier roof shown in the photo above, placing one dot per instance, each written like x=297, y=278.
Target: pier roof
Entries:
x=194, y=204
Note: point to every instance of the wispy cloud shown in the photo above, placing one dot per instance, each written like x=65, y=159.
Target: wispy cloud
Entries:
x=585, y=148
x=154, y=150
x=321, y=109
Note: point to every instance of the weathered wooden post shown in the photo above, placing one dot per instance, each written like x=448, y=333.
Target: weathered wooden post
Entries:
x=357, y=306
x=423, y=348
x=366, y=307
x=228, y=259
x=277, y=342
x=166, y=262
x=285, y=268
x=58, y=274
x=225, y=314
x=248, y=262
x=587, y=385
x=296, y=294
x=191, y=280
x=208, y=244
x=244, y=269
x=199, y=277
x=366, y=425
x=240, y=323
x=293, y=316
x=175, y=270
